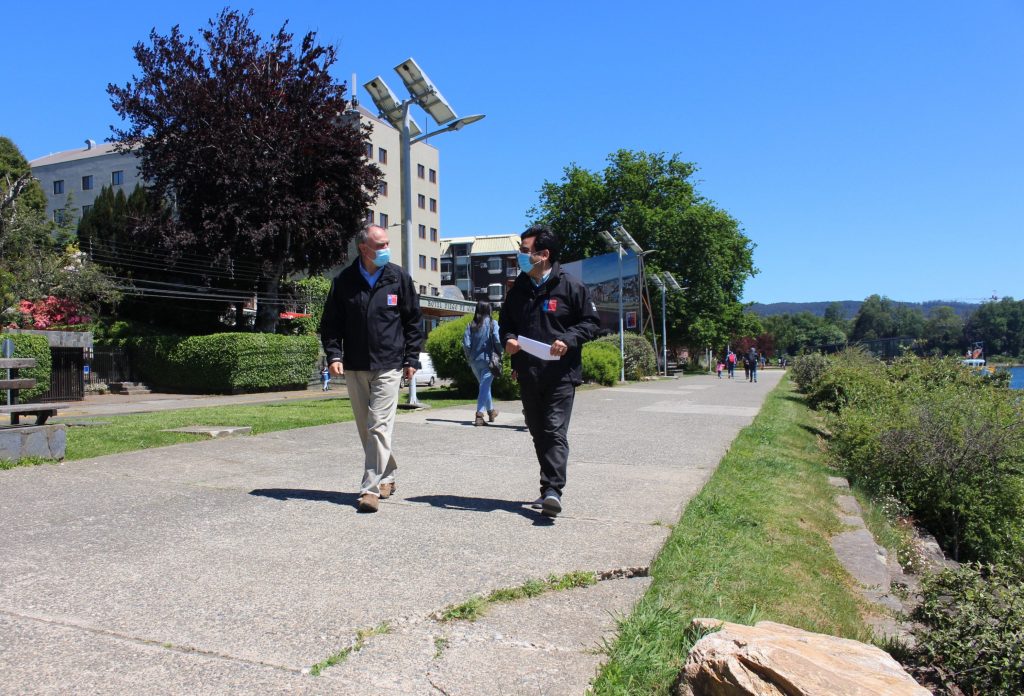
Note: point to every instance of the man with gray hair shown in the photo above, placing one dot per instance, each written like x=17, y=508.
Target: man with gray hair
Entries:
x=371, y=333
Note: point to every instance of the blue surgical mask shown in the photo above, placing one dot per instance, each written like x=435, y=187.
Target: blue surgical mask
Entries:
x=382, y=256
x=525, y=265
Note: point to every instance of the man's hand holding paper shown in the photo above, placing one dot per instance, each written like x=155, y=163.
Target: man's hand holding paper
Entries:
x=538, y=349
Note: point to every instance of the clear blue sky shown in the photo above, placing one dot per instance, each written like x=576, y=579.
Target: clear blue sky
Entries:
x=868, y=147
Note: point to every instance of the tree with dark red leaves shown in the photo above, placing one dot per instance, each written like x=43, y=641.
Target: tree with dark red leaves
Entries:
x=249, y=142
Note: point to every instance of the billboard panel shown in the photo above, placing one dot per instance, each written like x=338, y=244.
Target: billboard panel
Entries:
x=601, y=275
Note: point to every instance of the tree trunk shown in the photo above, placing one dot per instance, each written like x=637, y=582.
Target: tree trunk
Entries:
x=267, y=309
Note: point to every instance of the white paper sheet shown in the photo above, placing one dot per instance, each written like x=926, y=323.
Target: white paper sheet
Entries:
x=538, y=349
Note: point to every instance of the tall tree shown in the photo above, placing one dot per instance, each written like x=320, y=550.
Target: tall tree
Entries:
x=1000, y=325
x=652, y=196
x=247, y=138
x=944, y=330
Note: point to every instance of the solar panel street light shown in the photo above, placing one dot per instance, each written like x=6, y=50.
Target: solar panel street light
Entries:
x=612, y=243
x=424, y=92
x=390, y=108
x=671, y=280
x=620, y=232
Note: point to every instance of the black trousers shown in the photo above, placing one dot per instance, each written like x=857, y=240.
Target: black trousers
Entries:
x=548, y=408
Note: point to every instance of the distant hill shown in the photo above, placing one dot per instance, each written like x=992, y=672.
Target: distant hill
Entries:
x=851, y=307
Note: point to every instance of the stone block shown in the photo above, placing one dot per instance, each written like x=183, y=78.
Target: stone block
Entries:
x=45, y=441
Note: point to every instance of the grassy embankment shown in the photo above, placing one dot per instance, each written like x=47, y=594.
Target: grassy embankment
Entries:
x=143, y=430
x=752, y=546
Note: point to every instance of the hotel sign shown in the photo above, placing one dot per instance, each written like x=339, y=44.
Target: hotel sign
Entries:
x=441, y=304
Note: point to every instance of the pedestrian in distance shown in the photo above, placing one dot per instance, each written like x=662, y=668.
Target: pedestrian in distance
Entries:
x=719, y=368
x=482, y=348
x=325, y=378
x=547, y=305
x=730, y=363
x=371, y=333
x=750, y=365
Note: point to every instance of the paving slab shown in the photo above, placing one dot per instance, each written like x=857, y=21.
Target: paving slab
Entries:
x=237, y=564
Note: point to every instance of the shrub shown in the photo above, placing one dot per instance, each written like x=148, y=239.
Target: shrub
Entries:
x=640, y=358
x=853, y=377
x=970, y=625
x=444, y=345
x=30, y=346
x=227, y=362
x=806, y=369
x=601, y=363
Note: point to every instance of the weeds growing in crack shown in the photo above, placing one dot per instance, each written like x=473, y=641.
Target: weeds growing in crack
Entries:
x=440, y=643
x=361, y=635
x=473, y=609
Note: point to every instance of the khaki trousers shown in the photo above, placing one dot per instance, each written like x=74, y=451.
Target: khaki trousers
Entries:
x=374, y=397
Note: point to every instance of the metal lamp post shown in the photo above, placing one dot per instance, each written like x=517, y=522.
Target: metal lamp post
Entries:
x=424, y=94
x=664, y=334
x=616, y=246
x=670, y=282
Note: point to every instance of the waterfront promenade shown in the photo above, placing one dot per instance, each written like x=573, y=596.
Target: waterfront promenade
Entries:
x=236, y=565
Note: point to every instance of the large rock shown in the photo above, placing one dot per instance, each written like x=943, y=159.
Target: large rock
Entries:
x=771, y=659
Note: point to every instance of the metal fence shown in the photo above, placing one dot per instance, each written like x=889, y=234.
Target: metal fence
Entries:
x=111, y=365
x=67, y=382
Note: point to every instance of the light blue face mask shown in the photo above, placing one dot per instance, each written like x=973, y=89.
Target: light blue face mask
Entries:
x=525, y=265
x=382, y=257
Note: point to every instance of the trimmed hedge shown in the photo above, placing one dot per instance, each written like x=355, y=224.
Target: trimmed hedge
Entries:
x=444, y=345
x=30, y=346
x=225, y=362
x=640, y=358
x=601, y=363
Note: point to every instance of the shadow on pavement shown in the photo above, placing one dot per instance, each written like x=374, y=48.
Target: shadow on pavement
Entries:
x=520, y=428
x=334, y=497
x=458, y=502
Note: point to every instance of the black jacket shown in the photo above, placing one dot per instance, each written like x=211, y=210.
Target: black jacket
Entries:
x=560, y=309
x=372, y=328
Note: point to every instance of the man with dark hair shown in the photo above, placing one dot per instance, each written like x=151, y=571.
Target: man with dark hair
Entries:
x=547, y=305
x=371, y=333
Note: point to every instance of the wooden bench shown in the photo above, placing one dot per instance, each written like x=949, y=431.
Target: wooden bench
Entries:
x=14, y=384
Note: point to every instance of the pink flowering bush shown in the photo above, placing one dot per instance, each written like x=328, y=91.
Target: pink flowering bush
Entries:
x=51, y=312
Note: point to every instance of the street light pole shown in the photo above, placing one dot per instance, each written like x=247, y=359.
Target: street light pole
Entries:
x=622, y=335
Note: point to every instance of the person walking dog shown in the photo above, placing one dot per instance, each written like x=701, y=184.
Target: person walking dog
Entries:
x=371, y=333
x=553, y=309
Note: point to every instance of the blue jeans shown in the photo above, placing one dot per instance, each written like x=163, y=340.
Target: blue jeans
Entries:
x=485, y=378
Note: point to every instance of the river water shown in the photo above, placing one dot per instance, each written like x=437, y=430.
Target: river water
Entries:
x=1016, y=377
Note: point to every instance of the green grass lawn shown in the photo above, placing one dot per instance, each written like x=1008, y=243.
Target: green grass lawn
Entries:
x=752, y=546
x=142, y=430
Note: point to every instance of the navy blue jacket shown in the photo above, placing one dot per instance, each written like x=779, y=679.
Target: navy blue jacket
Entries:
x=559, y=310
x=374, y=328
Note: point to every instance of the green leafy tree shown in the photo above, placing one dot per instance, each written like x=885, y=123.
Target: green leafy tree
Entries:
x=944, y=330
x=653, y=196
x=1000, y=325
x=247, y=137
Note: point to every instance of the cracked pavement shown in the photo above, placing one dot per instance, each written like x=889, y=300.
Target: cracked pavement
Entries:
x=235, y=565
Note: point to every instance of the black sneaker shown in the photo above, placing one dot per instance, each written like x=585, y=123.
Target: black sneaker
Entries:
x=552, y=505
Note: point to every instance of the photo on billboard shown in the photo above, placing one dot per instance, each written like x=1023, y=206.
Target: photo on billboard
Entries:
x=601, y=275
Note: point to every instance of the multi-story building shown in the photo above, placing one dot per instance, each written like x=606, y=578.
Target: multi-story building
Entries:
x=79, y=175
x=74, y=178
x=482, y=267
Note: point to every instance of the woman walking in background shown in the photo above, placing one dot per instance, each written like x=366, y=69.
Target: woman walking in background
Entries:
x=479, y=343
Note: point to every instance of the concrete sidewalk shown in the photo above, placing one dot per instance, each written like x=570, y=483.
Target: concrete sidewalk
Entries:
x=234, y=566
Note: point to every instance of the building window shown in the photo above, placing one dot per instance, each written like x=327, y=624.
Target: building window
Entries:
x=435, y=292
x=58, y=216
x=433, y=263
x=383, y=220
x=494, y=265
x=421, y=171
x=117, y=178
x=433, y=205
x=423, y=231
x=369, y=217
x=433, y=176
x=423, y=289
x=382, y=188
x=433, y=234
x=423, y=261
x=421, y=200
x=369, y=150
x=382, y=155
x=87, y=183
x=86, y=209
x=58, y=188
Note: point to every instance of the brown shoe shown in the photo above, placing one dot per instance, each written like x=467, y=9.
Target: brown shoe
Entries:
x=479, y=418
x=386, y=489
x=492, y=415
x=368, y=502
